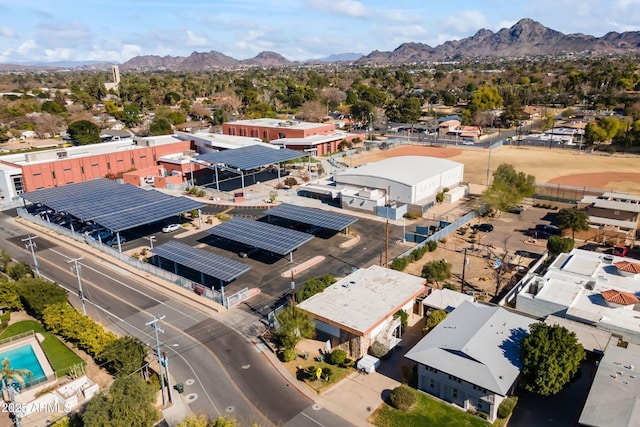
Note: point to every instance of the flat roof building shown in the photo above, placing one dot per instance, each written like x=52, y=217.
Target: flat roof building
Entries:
x=589, y=287
x=358, y=309
x=317, y=138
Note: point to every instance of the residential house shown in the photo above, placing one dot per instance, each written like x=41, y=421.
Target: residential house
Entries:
x=612, y=216
x=444, y=299
x=471, y=359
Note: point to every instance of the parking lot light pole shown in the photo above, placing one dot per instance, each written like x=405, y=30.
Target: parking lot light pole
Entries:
x=151, y=240
x=465, y=261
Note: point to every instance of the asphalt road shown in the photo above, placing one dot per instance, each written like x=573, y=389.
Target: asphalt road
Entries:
x=223, y=373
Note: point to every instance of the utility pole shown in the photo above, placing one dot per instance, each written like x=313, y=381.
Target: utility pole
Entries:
x=31, y=245
x=76, y=268
x=154, y=325
x=293, y=289
x=166, y=367
x=465, y=261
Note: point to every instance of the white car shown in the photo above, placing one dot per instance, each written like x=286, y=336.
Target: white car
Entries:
x=171, y=228
x=114, y=241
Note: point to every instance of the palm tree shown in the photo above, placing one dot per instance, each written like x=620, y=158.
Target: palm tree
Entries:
x=8, y=374
x=573, y=219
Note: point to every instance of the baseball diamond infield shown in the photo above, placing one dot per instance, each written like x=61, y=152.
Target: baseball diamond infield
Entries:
x=556, y=166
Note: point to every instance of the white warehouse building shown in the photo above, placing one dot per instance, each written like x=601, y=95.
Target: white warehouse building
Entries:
x=407, y=180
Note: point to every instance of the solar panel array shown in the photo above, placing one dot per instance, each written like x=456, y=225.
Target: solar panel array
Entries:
x=114, y=206
x=251, y=157
x=213, y=265
x=324, y=219
x=261, y=235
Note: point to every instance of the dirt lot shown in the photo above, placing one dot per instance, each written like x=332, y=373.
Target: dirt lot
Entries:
x=555, y=166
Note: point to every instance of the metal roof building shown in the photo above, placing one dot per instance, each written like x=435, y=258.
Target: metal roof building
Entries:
x=471, y=358
x=412, y=180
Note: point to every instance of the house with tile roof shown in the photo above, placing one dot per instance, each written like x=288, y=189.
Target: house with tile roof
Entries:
x=597, y=289
x=471, y=359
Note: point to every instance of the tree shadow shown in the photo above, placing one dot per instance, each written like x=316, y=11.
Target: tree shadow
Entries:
x=511, y=345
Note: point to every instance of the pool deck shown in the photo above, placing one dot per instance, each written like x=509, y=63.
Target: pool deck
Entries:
x=32, y=340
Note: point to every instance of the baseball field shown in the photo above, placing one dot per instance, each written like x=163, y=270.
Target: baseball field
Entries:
x=556, y=166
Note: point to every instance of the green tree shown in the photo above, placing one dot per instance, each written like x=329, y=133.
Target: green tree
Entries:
x=131, y=115
x=37, y=294
x=160, y=127
x=52, y=107
x=314, y=286
x=202, y=421
x=550, y=357
x=9, y=374
x=84, y=132
x=123, y=356
x=129, y=403
x=557, y=245
x=5, y=260
x=19, y=270
x=176, y=118
x=573, y=219
x=9, y=296
x=485, y=98
x=434, y=319
x=295, y=324
x=436, y=271
x=508, y=188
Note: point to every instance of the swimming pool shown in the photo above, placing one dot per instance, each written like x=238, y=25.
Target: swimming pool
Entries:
x=24, y=357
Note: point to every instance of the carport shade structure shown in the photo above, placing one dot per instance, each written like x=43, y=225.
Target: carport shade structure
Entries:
x=244, y=159
x=114, y=206
x=329, y=220
x=217, y=266
x=261, y=235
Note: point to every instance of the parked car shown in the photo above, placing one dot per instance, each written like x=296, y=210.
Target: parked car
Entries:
x=516, y=209
x=537, y=234
x=550, y=229
x=171, y=228
x=620, y=250
x=101, y=235
x=114, y=241
x=487, y=228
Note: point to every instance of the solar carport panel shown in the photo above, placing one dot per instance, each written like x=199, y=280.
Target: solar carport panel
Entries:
x=319, y=218
x=251, y=157
x=200, y=260
x=261, y=235
x=114, y=206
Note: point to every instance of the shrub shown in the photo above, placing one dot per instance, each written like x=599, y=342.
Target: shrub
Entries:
x=404, y=317
x=402, y=398
x=288, y=354
x=506, y=407
x=337, y=357
x=432, y=245
x=399, y=264
x=326, y=373
x=37, y=294
x=290, y=181
x=377, y=349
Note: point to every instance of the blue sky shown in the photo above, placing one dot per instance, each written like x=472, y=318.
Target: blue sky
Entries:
x=117, y=30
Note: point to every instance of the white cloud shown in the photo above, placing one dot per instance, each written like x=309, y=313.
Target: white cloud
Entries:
x=344, y=7
x=58, y=54
x=464, y=23
x=26, y=46
x=194, y=40
x=7, y=32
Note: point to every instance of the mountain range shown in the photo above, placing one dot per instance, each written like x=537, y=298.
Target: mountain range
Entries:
x=527, y=38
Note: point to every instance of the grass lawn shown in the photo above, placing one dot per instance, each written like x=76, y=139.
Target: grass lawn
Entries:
x=60, y=356
x=337, y=375
x=427, y=412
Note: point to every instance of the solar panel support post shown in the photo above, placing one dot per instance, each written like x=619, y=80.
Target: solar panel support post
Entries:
x=119, y=242
x=215, y=168
x=291, y=256
x=200, y=218
x=224, y=301
x=242, y=179
x=191, y=172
